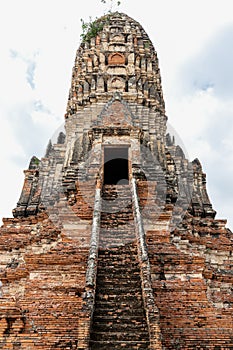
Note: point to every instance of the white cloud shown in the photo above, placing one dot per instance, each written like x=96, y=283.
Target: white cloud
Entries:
x=204, y=117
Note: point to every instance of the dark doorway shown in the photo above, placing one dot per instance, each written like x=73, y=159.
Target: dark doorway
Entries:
x=116, y=165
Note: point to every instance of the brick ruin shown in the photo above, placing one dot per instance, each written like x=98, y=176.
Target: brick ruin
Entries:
x=114, y=242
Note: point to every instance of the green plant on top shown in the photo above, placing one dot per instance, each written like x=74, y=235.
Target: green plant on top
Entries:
x=93, y=27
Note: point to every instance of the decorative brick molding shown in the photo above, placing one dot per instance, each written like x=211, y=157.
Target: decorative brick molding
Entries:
x=141, y=262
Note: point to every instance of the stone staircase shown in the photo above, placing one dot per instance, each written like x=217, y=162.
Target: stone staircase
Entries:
x=119, y=320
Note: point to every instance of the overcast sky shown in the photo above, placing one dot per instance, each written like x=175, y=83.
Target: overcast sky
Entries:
x=194, y=42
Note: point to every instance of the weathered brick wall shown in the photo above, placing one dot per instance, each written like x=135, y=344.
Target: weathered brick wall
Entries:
x=191, y=272
x=43, y=277
x=115, y=99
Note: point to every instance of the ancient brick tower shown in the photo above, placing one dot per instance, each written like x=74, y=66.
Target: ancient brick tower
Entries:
x=113, y=244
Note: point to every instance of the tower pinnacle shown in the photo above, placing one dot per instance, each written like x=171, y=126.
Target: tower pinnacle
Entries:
x=117, y=56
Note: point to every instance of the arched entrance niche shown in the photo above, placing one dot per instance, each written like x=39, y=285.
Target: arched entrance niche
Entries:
x=116, y=165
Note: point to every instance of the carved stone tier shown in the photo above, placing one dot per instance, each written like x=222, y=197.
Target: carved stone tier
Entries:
x=114, y=242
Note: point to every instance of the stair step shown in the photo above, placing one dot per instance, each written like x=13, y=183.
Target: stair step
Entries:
x=116, y=207
x=129, y=328
x=129, y=313
x=118, y=251
x=123, y=273
x=112, y=335
x=108, y=238
x=114, y=261
x=115, y=265
x=126, y=325
x=116, y=211
x=118, y=283
x=120, y=230
x=112, y=218
x=120, y=319
x=120, y=326
x=118, y=275
x=119, y=294
x=116, y=270
x=119, y=287
x=114, y=223
x=116, y=233
x=122, y=240
x=118, y=298
x=118, y=345
x=114, y=243
x=118, y=305
x=121, y=252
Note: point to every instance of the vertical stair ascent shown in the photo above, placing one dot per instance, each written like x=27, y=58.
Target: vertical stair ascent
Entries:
x=119, y=320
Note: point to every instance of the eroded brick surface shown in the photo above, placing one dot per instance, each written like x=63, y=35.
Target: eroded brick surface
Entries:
x=163, y=275
x=43, y=280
